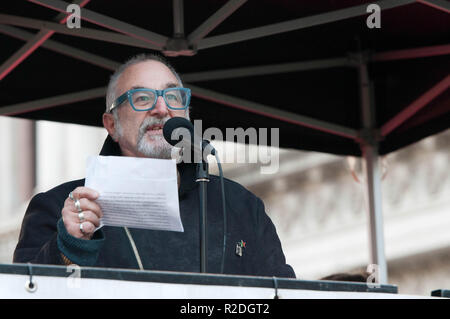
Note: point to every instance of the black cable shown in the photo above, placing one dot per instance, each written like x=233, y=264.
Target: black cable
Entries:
x=30, y=272
x=275, y=285
x=224, y=210
x=30, y=285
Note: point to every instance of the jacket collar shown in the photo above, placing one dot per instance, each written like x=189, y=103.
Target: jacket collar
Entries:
x=187, y=171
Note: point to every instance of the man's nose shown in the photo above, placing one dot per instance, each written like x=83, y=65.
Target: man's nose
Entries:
x=160, y=109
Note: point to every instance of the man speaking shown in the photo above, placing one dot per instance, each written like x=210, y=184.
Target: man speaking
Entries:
x=60, y=225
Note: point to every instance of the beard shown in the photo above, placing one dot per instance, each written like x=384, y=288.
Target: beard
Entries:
x=153, y=146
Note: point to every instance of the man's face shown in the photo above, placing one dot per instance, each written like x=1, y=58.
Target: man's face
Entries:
x=139, y=134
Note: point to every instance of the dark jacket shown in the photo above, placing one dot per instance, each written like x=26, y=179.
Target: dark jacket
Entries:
x=43, y=236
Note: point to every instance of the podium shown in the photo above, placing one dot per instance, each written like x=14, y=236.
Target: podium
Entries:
x=29, y=281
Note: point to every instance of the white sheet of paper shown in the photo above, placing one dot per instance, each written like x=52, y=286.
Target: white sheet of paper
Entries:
x=136, y=192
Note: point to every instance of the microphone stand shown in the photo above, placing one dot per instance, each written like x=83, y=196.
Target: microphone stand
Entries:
x=202, y=180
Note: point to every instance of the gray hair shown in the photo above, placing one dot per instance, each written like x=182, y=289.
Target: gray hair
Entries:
x=111, y=90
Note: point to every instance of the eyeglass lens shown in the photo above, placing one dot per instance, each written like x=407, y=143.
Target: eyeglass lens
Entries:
x=145, y=99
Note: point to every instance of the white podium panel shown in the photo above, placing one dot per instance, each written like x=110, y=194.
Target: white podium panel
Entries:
x=75, y=282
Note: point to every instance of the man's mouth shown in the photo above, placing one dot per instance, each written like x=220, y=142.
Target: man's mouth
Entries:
x=155, y=129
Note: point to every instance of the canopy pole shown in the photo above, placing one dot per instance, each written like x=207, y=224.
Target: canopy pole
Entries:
x=372, y=174
x=373, y=197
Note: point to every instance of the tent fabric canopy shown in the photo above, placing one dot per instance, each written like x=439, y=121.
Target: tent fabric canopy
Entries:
x=289, y=80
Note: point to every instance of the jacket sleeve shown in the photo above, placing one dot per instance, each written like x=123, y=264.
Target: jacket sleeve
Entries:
x=271, y=259
x=43, y=236
x=38, y=234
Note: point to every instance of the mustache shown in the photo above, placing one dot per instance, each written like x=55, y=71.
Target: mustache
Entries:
x=149, y=121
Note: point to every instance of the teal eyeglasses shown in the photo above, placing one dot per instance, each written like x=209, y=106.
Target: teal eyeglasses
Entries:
x=145, y=99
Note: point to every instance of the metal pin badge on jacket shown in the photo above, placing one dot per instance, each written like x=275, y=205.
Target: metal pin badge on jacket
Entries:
x=240, y=248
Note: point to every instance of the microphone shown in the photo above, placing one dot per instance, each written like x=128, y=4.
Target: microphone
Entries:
x=179, y=132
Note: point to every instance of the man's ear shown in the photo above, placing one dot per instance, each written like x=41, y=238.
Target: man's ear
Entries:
x=108, y=123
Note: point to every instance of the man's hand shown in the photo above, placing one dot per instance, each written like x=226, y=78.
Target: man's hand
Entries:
x=90, y=216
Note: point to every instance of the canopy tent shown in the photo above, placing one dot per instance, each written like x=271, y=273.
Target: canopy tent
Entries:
x=314, y=69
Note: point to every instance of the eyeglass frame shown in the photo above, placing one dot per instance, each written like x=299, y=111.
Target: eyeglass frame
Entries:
x=128, y=94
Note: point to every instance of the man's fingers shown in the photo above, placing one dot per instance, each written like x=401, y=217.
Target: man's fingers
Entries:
x=87, y=229
x=73, y=217
x=88, y=216
x=86, y=204
x=82, y=219
x=85, y=192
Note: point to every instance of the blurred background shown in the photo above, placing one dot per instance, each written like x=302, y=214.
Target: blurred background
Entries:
x=316, y=200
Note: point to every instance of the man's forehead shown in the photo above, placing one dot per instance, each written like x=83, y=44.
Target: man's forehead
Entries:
x=148, y=64
x=147, y=71
x=165, y=86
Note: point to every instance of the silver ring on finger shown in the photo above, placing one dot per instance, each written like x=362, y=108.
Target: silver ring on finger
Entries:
x=81, y=228
x=81, y=217
x=71, y=196
x=78, y=206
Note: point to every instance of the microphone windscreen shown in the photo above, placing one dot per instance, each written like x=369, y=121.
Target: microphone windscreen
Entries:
x=176, y=123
